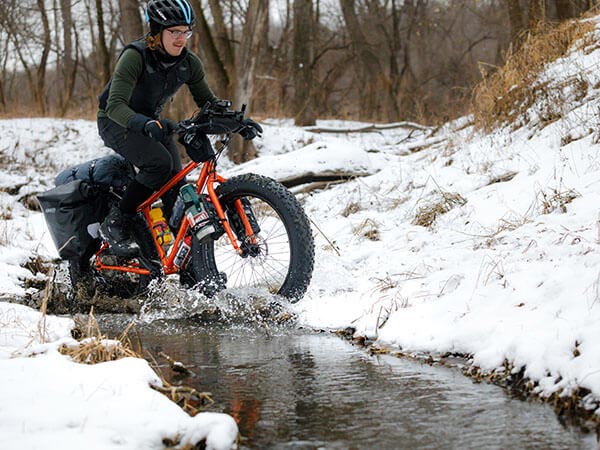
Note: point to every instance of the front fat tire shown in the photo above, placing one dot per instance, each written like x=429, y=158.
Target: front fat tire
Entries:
x=204, y=268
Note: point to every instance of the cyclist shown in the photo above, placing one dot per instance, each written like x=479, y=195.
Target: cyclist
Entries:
x=148, y=73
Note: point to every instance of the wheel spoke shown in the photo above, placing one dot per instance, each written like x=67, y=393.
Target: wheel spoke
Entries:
x=267, y=269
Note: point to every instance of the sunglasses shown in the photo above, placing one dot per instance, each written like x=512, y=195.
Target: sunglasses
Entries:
x=177, y=34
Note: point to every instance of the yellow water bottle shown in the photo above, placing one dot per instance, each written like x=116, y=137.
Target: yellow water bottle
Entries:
x=160, y=229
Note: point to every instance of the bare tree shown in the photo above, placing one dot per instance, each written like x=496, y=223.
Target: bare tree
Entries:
x=40, y=91
x=302, y=63
x=257, y=15
x=69, y=62
x=222, y=39
x=368, y=67
x=564, y=9
x=104, y=54
x=364, y=59
x=537, y=13
x=131, y=20
x=234, y=68
x=515, y=19
x=213, y=60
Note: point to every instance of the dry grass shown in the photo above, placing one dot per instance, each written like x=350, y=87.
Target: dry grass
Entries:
x=351, y=208
x=369, y=229
x=94, y=348
x=426, y=215
x=557, y=200
x=506, y=94
x=503, y=178
x=389, y=300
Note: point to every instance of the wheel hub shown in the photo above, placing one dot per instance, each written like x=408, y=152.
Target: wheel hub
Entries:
x=253, y=249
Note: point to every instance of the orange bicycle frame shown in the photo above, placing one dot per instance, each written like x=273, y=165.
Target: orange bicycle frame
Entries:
x=207, y=178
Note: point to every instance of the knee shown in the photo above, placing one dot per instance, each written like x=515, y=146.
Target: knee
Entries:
x=157, y=172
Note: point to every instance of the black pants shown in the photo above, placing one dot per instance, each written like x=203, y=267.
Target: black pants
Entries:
x=157, y=161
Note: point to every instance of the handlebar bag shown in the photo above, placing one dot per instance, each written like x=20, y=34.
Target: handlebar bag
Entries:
x=197, y=146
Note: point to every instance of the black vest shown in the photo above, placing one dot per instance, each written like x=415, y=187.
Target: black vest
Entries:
x=156, y=85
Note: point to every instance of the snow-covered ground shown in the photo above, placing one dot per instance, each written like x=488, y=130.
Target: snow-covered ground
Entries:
x=510, y=274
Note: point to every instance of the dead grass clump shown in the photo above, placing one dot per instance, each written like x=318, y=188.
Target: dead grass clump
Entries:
x=6, y=213
x=188, y=398
x=506, y=94
x=94, y=351
x=351, y=208
x=503, y=178
x=426, y=215
x=93, y=348
x=368, y=229
x=511, y=223
x=556, y=200
x=37, y=265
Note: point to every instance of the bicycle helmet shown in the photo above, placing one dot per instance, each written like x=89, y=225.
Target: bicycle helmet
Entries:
x=169, y=13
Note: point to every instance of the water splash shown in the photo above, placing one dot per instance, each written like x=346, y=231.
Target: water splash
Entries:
x=167, y=300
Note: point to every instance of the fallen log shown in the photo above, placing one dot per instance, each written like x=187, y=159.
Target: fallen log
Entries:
x=321, y=179
x=369, y=128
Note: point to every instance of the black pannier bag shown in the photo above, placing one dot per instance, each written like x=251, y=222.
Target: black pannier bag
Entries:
x=80, y=201
x=73, y=212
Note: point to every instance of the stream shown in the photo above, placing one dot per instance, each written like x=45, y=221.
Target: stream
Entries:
x=289, y=388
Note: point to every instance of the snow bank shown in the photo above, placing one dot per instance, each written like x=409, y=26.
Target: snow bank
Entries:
x=50, y=401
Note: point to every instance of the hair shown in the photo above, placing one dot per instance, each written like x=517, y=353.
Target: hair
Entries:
x=153, y=41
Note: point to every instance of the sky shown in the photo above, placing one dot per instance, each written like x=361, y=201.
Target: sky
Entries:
x=509, y=275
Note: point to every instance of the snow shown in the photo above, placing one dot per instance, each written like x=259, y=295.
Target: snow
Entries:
x=509, y=275
x=51, y=401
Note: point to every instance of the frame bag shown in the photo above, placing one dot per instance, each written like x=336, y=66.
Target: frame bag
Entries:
x=73, y=212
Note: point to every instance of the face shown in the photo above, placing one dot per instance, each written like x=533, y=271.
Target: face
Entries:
x=174, y=39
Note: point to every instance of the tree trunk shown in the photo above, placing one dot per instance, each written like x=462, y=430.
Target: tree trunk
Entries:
x=131, y=20
x=303, y=54
x=104, y=55
x=564, y=9
x=537, y=13
x=393, y=108
x=69, y=66
x=368, y=67
x=257, y=16
x=40, y=92
x=515, y=19
x=221, y=79
x=222, y=40
x=2, y=98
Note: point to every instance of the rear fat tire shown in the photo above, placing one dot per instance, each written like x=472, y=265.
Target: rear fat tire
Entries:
x=203, y=266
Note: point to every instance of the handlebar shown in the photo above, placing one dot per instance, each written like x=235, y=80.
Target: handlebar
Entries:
x=214, y=118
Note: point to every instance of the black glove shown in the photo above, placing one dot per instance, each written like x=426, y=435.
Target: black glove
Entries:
x=159, y=129
x=250, y=129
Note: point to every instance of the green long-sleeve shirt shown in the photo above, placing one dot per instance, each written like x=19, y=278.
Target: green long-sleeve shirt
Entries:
x=142, y=84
